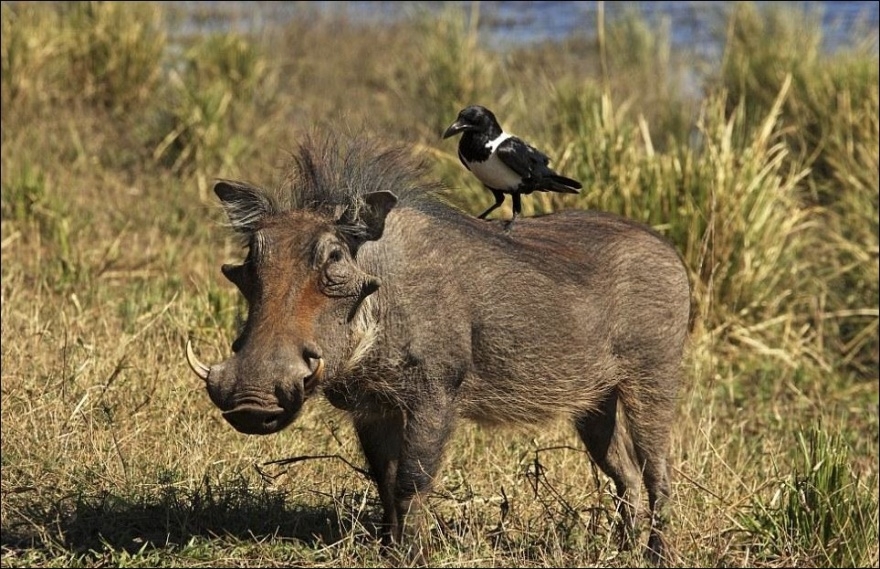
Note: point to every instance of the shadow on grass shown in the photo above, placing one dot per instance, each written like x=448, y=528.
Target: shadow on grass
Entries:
x=170, y=517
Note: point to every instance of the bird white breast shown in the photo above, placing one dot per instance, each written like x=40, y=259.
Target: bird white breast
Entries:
x=493, y=172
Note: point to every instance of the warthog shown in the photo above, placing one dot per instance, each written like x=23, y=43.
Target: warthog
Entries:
x=408, y=314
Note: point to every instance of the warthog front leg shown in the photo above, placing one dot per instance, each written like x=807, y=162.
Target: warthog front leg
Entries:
x=404, y=454
x=381, y=441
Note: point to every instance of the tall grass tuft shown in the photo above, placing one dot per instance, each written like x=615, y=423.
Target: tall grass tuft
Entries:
x=115, y=51
x=753, y=234
x=831, y=127
x=823, y=514
x=223, y=85
x=30, y=47
x=31, y=205
x=638, y=53
x=450, y=70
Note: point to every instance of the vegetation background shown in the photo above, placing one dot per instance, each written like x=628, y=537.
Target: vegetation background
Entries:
x=115, y=122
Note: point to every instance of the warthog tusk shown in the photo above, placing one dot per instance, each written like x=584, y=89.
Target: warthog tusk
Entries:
x=311, y=382
x=198, y=367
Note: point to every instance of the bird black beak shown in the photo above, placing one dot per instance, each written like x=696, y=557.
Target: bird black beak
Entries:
x=456, y=128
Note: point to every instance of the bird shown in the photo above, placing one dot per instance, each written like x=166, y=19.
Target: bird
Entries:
x=504, y=163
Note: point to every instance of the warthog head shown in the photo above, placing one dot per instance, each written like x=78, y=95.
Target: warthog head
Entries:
x=303, y=288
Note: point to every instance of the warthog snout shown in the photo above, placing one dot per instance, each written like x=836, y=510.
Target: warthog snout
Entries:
x=252, y=419
x=276, y=390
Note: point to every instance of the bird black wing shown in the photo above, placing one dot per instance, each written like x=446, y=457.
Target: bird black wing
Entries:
x=533, y=167
x=523, y=158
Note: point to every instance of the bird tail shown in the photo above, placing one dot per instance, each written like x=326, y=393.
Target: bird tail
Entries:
x=563, y=185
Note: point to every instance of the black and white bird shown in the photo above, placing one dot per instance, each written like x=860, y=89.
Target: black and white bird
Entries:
x=504, y=163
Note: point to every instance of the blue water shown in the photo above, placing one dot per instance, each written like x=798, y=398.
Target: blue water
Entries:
x=692, y=25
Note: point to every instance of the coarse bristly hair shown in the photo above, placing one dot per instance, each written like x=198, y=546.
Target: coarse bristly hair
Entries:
x=334, y=171
x=330, y=173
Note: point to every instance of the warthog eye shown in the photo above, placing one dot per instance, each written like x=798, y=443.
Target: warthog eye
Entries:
x=337, y=279
x=335, y=256
x=338, y=274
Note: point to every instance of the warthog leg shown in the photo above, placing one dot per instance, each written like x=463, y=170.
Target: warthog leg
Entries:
x=649, y=424
x=381, y=440
x=404, y=456
x=629, y=442
x=610, y=446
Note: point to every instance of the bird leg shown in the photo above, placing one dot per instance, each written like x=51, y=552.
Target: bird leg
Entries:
x=499, y=199
x=517, y=208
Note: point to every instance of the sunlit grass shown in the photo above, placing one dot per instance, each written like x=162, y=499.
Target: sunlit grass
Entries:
x=811, y=514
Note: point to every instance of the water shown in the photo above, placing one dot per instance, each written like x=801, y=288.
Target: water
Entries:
x=692, y=24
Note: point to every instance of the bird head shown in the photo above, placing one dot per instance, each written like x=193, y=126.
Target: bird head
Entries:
x=474, y=118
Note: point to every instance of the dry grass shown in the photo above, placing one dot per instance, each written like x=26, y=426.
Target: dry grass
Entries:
x=112, y=454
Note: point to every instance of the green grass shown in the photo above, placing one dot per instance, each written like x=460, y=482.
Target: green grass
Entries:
x=767, y=183
x=811, y=515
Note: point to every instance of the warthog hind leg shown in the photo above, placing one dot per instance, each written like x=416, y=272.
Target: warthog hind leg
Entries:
x=649, y=423
x=610, y=446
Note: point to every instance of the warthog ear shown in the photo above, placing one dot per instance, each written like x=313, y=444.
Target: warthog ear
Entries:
x=244, y=204
x=368, y=223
